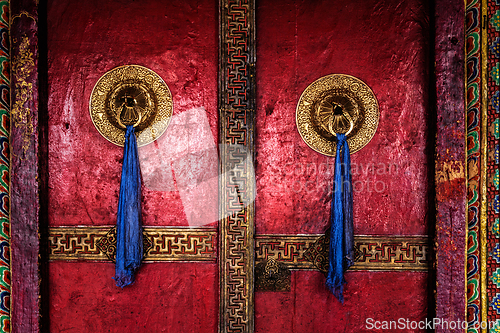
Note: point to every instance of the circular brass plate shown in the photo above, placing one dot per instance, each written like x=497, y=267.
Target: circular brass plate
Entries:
x=331, y=92
x=150, y=95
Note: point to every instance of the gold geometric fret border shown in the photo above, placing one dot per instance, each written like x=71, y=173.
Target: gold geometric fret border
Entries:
x=161, y=243
x=237, y=109
x=373, y=253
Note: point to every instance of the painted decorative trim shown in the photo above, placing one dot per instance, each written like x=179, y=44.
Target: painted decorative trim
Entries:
x=237, y=134
x=489, y=216
x=287, y=249
x=483, y=174
x=5, y=280
x=163, y=244
x=473, y=104
x=200, y=244
x=373, y=253
x=237, y=181
x=23, y=64
x=406, y=253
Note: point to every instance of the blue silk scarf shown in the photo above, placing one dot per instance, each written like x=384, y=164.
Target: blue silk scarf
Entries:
x=128, y=225
x=341, y=255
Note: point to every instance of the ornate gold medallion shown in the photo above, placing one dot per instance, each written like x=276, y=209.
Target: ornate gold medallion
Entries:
x=131, y=95
x=333, y=104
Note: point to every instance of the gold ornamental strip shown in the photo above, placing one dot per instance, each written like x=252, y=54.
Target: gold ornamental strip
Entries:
x=237, y=104
x=483, y=215
x=162, y=243
x=287, y=249
x=373, y=253
x=76, y=243
x=407, y=253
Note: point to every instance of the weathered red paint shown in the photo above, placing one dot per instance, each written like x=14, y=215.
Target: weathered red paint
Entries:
x=386, y=45
x=450, y=293
x=373, y=296
x=173, y=297
x=179, y=41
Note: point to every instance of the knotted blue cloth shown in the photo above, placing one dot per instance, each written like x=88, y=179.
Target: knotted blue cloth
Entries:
x=341, y=255
x=128, y=223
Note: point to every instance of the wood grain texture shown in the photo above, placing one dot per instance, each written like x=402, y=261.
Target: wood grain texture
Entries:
x=449, y=161
x=25, y=175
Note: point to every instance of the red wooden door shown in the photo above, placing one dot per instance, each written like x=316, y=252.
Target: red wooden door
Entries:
x=272, y=202
x=179, y=41
x=386, y=45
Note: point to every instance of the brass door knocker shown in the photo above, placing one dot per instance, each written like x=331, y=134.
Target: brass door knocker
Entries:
x=333, y=104
x=337, y=115
x=129, y=111
x=130, y=106
x=334, y=123
x=131, y=95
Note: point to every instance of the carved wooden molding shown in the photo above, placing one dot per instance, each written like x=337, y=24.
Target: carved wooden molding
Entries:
x=237, y=181
x=164, y=243
x=200, y=244
x=373, y=253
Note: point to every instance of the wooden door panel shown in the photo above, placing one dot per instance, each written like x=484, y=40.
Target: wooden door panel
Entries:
x=179, y=41
x=386, y=45
x=298, y=42
x=59, y=171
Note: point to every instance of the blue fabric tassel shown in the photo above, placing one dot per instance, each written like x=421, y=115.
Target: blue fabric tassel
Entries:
x=128, y=224
x=341, y=255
